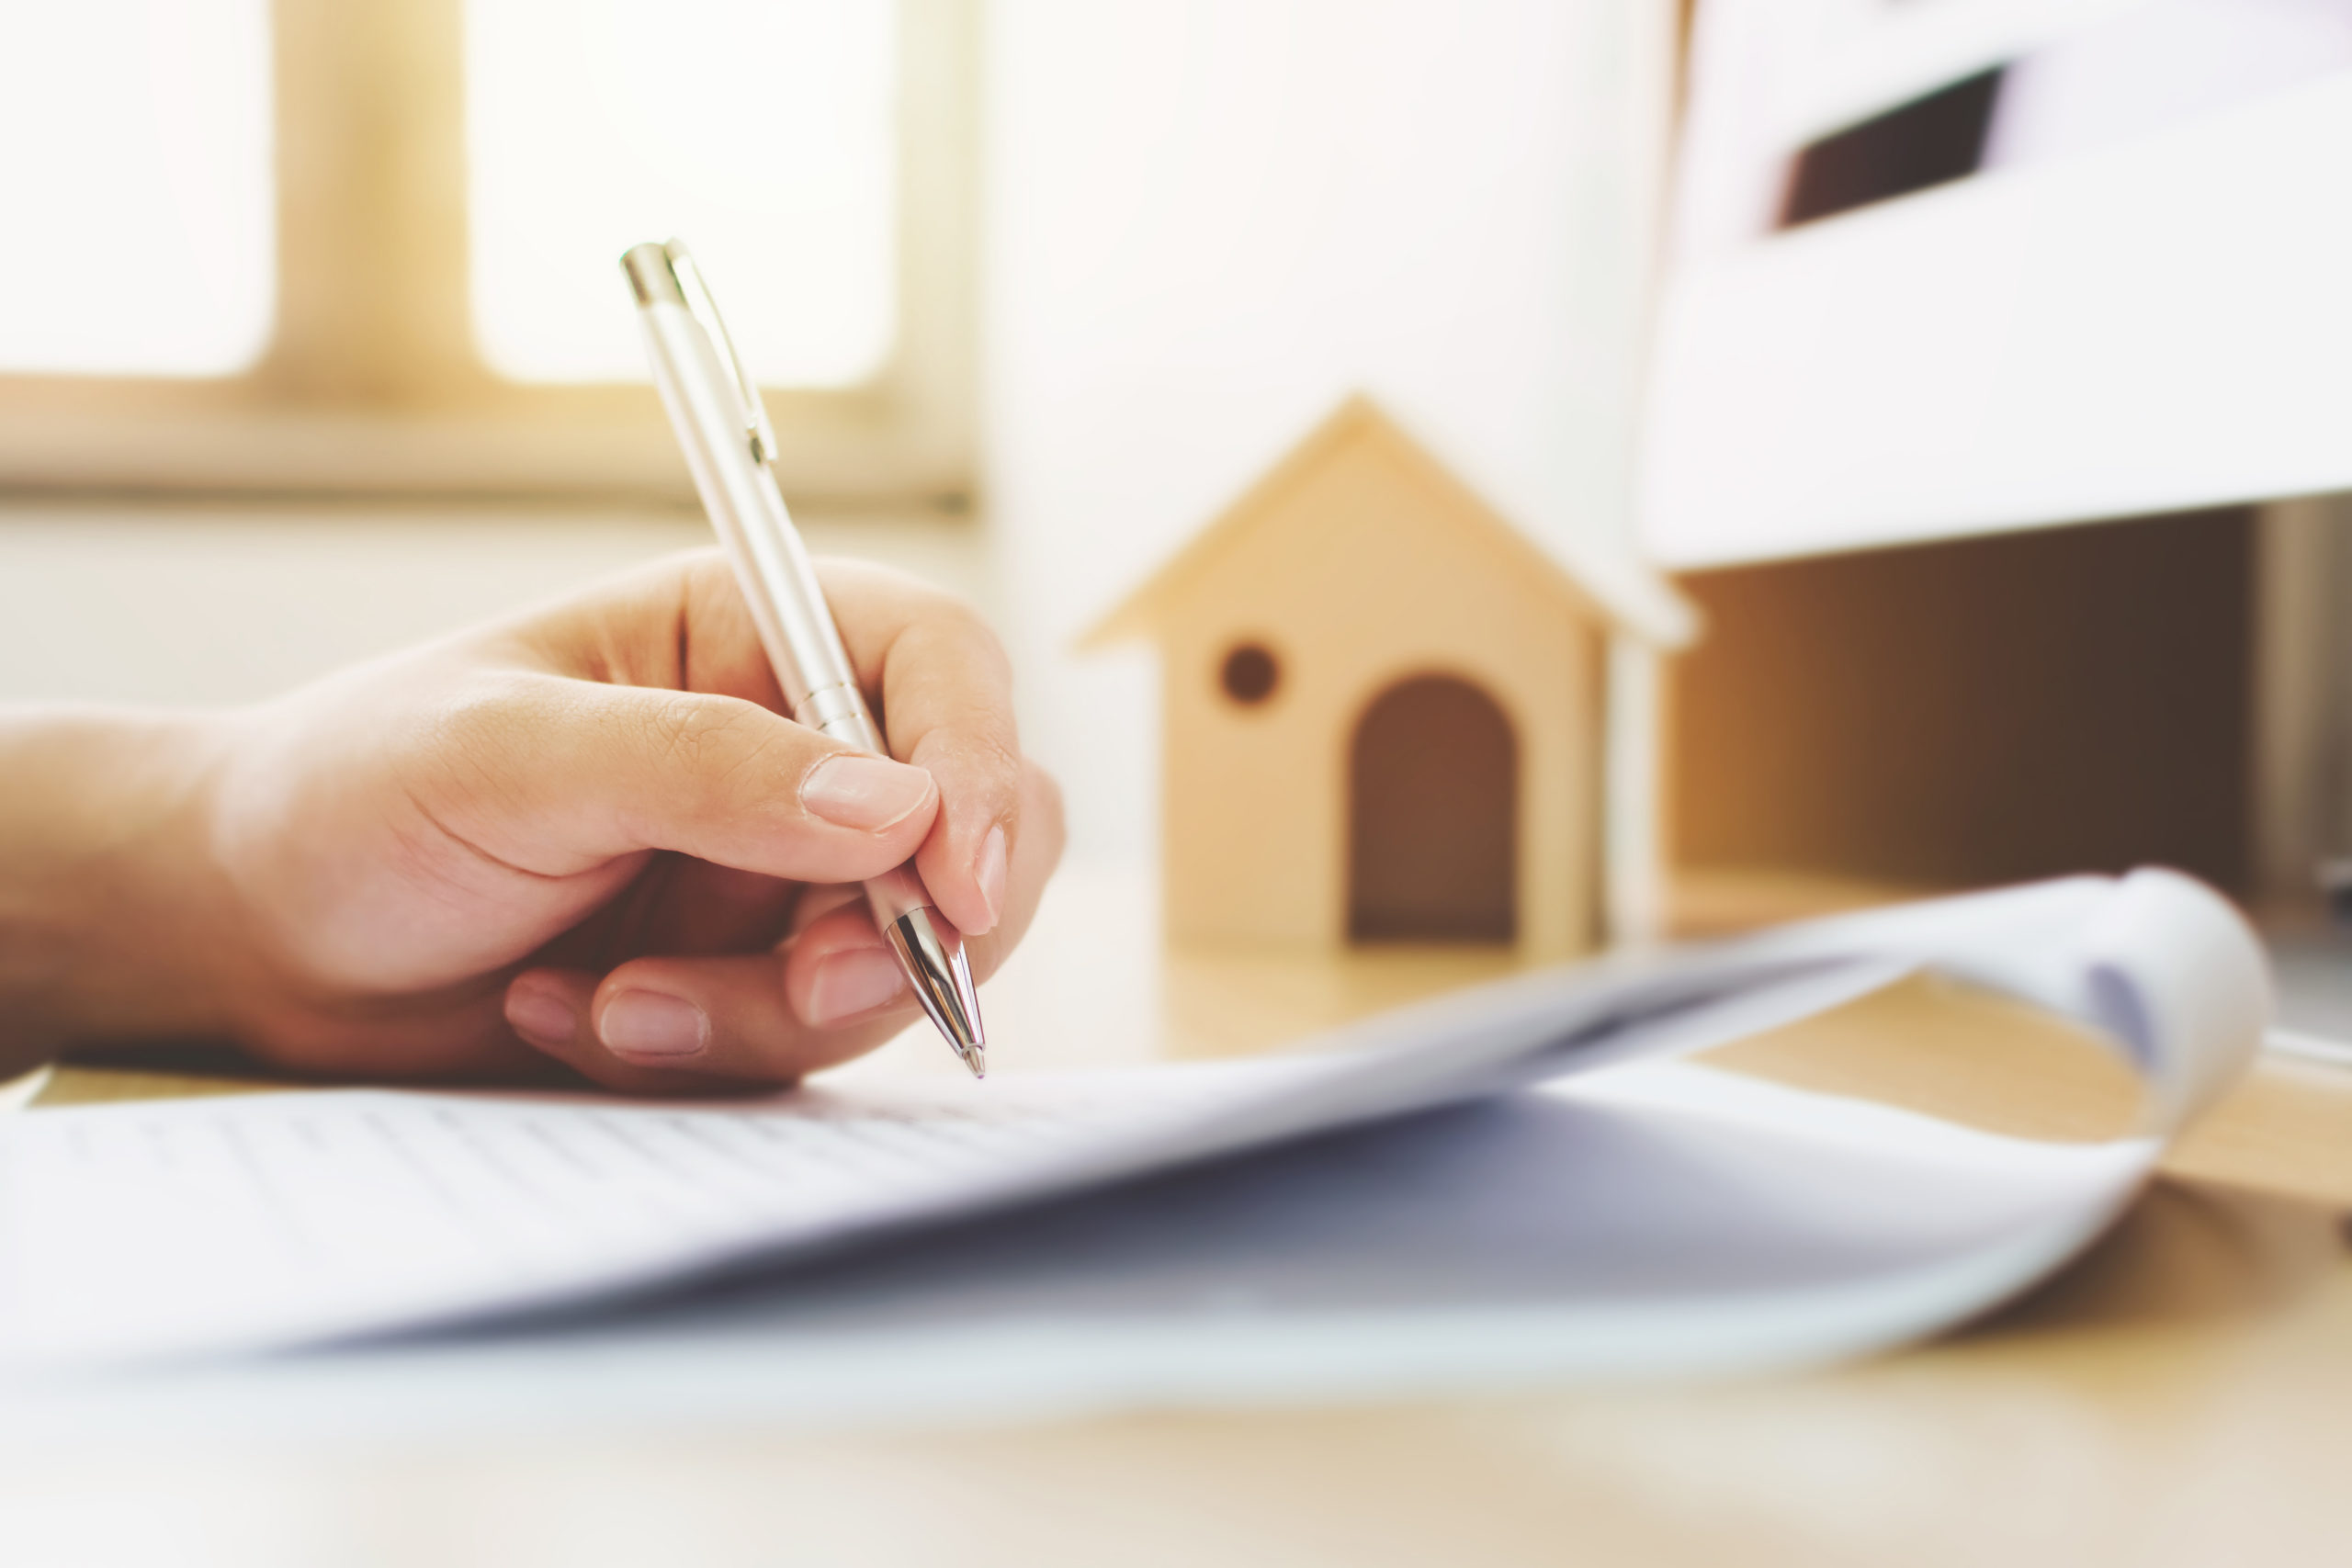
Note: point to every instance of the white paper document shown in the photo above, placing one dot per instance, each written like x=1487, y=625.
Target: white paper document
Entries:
x=1153, y=1230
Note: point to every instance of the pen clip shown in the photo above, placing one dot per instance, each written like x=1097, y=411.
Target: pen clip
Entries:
x=705, y=310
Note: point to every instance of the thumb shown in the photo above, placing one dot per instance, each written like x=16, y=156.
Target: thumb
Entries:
x=556, y=775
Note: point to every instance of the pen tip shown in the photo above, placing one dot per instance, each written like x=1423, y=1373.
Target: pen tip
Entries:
x=931, y=952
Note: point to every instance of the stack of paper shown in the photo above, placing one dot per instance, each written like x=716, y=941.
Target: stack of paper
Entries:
x=1454, y=1194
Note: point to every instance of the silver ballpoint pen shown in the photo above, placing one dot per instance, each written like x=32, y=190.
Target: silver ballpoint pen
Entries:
x=715, y=408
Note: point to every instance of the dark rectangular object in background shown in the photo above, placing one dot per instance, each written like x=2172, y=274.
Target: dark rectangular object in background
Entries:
x=1927, y=141
x=1982, y=711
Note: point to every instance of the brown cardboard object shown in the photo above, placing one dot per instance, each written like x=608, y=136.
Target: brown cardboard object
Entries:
x=1388, y=714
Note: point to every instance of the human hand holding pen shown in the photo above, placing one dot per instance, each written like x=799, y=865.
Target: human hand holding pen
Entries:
x=583, y=834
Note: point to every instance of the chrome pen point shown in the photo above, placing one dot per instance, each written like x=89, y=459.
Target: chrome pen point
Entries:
x=932, y=952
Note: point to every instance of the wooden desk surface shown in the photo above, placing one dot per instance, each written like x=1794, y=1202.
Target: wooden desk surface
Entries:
x=2183, y=1394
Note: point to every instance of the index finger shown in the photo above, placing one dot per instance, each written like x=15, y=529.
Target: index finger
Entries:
x=946, y=707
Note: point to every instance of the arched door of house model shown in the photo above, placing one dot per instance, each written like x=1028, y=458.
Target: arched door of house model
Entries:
x=1433, y=816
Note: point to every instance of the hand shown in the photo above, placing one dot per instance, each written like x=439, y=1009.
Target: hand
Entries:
x=587, y=835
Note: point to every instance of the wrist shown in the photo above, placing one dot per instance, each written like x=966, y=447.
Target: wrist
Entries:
x=115, y=922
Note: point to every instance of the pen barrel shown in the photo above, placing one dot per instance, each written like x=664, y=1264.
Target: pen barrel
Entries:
x=714, y=407
x=770, y=564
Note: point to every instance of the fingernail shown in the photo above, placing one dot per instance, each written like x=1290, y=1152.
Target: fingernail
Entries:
x=855, y=982
x=989, y=871
x=646, y=1024
x=851, y=791
x=539, y=1015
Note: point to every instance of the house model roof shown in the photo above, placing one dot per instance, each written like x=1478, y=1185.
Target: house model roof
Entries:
x=1613, y=586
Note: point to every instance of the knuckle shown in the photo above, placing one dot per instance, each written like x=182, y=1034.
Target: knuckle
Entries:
x=982, y=765
x=684, y=729
x=677, y=728
x=977, y=639
x=472, y=732
x=952, y=626
x=705, y=745
x=999, y=759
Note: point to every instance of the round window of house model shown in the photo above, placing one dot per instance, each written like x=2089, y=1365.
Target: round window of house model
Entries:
x=1249, y=673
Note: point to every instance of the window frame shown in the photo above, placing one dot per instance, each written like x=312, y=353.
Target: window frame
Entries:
x=372, y=381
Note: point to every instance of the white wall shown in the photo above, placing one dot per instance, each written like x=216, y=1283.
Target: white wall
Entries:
x=1207, y=220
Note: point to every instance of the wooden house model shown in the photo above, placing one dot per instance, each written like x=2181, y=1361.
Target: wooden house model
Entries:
x=1389, y=715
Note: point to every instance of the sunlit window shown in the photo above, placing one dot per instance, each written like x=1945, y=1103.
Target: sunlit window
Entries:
x=227, y=226
x=137, y=187
x=762, y=132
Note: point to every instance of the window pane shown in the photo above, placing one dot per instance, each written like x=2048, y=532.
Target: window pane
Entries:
x=138, y=187
x=762, y=132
